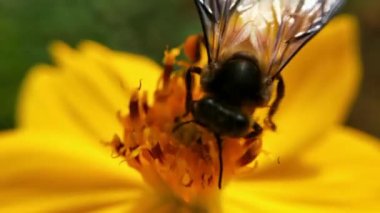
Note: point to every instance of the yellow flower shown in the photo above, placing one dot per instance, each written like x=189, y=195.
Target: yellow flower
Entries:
x=55, y=161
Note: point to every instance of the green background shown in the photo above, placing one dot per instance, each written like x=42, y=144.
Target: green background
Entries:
x=28, y=26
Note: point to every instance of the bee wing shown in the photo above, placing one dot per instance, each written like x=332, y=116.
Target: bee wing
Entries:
x=215, y=16
x=272, y=31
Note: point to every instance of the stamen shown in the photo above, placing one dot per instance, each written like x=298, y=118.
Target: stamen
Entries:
x=134, y=106
x=186, y=180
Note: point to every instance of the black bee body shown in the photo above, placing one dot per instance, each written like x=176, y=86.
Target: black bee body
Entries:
x=249, y=43
x=233, y=90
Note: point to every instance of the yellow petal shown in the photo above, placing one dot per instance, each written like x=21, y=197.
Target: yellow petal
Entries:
x=45, y=172
x=339, y=173
x=321, y=83
x=84, y=90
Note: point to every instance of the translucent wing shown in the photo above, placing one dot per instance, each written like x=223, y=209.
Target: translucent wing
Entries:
x=272, y=31
x=215, y=16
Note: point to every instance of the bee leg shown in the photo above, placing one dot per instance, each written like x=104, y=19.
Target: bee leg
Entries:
x=179, y=125
x=280, y=92
x=257, y=130
x=219, y=144
x=189, y=81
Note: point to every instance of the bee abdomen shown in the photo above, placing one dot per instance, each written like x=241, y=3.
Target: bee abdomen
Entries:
x=221, y=119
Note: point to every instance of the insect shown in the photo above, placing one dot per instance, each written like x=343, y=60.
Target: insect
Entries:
x=249, y=42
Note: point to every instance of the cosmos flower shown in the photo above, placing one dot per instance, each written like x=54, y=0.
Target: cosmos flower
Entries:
x=59, y=158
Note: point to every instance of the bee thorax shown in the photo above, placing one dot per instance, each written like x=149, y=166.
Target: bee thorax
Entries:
x=237, y=81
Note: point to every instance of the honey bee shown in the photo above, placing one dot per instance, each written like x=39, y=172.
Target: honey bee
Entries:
x=249, y=43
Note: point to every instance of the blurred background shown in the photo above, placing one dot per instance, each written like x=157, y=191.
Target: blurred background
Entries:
x=28, y=26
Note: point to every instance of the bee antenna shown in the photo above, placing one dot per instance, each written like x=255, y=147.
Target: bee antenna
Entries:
x=219, y=144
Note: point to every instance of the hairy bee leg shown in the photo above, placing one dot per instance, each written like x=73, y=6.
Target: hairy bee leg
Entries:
x=220, y=153
x=189, y=81
x=280, y=93
x=257, y=130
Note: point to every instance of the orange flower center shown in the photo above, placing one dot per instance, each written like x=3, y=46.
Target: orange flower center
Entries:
x=184, y=161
